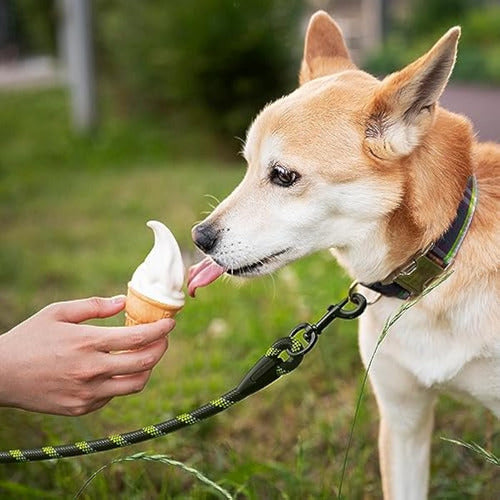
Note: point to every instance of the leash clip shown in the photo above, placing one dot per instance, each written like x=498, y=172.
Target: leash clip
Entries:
x=305, y=335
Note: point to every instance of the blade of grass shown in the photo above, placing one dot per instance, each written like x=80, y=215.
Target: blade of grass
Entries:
x=387, y=325
x=476, y=448
x=162, y=459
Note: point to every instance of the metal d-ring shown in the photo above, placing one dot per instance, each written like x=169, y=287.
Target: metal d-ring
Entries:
x=359, y=301
x=351, y=292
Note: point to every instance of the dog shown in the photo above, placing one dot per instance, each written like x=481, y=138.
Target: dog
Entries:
x=377, y=171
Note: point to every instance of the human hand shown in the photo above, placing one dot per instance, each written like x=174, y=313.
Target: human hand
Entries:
x=52, y=364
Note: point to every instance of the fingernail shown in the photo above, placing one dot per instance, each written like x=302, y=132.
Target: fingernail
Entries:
x=118, y=299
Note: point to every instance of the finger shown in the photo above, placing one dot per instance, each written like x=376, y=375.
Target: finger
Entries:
x=76, y=311
x=123, y=338
x=121, y=386
x=141, y=360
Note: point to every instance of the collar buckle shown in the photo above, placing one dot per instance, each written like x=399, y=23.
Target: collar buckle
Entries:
x=418, y=274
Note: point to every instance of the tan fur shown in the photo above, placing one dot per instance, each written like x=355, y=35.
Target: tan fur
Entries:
x=436, y=170
x=447, y=153
x=448, y=150
x=325, y=50
x=382, y=170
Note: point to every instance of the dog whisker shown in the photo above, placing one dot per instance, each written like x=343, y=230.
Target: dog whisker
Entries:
x=273, y=285
x=207, y=195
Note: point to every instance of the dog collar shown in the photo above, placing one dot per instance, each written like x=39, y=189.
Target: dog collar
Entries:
x=423, y=268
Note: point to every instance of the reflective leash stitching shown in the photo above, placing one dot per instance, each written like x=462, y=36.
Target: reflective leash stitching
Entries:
x=282, y=357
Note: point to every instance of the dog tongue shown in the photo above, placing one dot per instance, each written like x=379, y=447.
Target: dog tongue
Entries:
x=202, y=274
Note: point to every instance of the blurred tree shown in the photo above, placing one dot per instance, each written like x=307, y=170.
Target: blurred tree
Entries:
x=432, y=15
x=210, y=62
x=479, y=48
x=8, y=30
x=37, y=21
x=216, y=60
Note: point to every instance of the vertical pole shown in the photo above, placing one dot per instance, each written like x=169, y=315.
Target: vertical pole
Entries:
x=77, y=36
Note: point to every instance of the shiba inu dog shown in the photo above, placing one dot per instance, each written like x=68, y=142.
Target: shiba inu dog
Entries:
x=399, y=190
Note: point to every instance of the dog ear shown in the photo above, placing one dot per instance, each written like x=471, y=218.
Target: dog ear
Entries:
x=403, y=108
x=325, y=51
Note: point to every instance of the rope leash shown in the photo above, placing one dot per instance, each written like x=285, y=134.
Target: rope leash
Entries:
x=284, y=355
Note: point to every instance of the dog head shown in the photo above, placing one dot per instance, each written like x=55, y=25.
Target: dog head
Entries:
x=326, y=163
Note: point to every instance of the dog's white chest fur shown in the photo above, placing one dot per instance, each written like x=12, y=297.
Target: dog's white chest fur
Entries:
x=457, y=350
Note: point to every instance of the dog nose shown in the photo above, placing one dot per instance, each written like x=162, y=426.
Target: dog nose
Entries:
x=205, y=236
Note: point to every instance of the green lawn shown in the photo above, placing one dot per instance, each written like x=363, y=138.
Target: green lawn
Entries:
x=72, y=221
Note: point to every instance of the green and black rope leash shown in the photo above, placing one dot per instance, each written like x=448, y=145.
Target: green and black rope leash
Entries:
x=281, y=358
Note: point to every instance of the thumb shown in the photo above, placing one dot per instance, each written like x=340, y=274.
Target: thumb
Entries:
x=76, y=311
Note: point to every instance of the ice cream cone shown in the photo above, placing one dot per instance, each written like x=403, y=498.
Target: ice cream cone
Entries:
x=155, y=289
x=140, y=309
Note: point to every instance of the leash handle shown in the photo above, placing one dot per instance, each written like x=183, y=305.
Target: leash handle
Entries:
x=284, y=355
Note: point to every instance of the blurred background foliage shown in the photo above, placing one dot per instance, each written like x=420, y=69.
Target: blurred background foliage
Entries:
x=174, y=58
x=215, y=62
x=418, y=28
x=34, y=25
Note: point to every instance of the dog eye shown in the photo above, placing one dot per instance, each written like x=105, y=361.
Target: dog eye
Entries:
x=283, y=177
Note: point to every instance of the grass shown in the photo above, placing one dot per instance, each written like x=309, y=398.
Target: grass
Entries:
x=160, y=459
x=72, y=221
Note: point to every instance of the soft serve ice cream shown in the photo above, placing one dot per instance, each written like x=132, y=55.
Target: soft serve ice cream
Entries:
x=155, y=290
x=161, y=275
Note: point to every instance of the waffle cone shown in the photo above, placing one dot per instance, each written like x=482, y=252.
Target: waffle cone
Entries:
x=140, y=309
